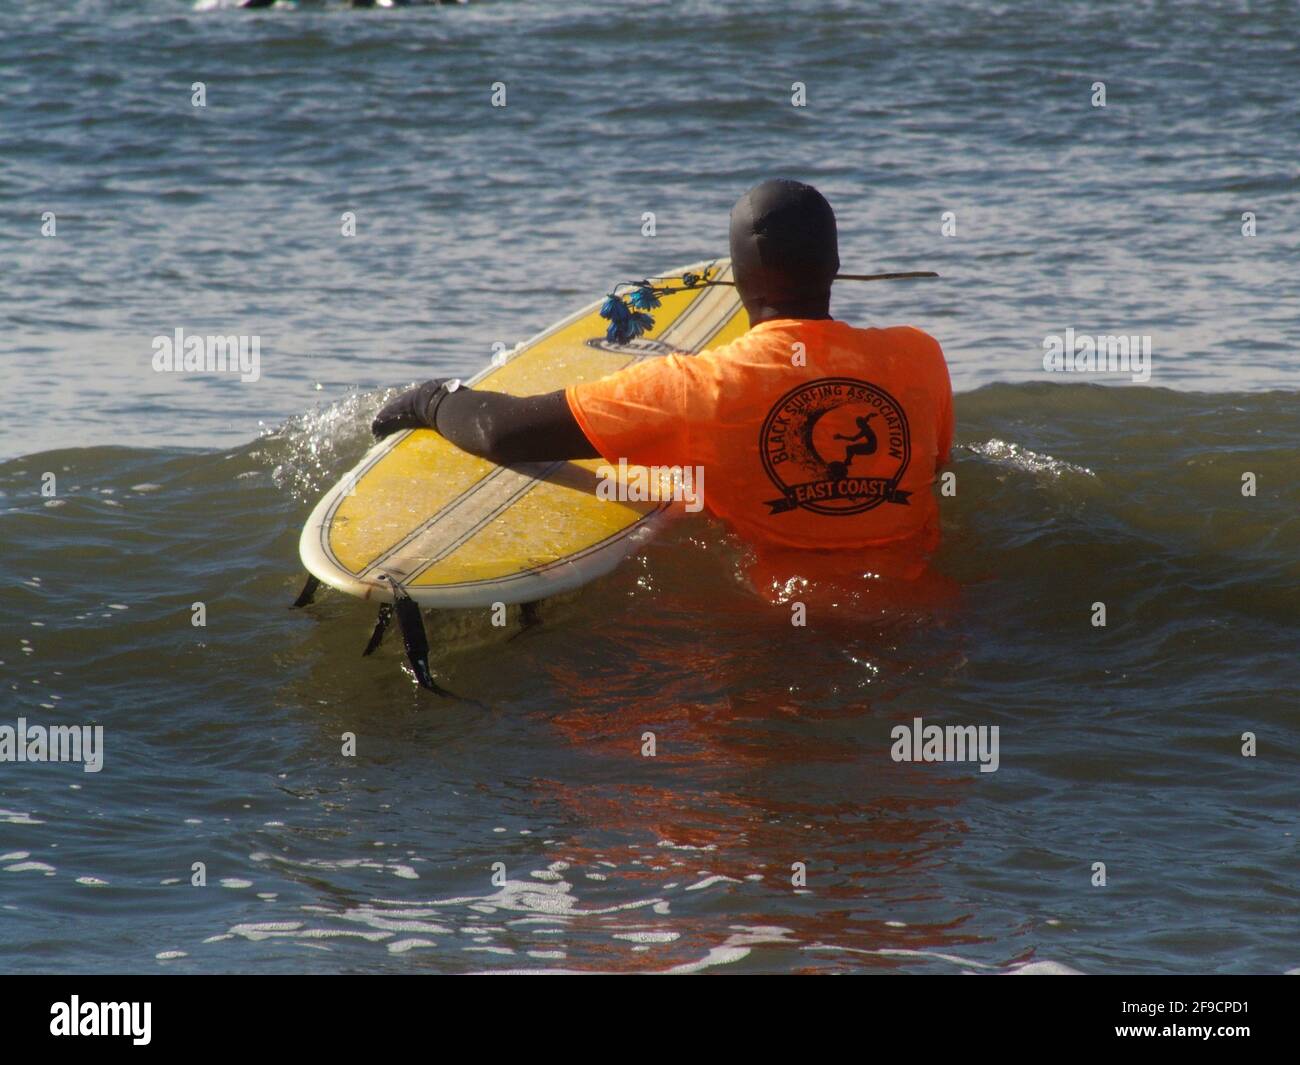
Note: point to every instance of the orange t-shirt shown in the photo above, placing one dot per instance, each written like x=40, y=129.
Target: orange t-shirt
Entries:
x=839, y=452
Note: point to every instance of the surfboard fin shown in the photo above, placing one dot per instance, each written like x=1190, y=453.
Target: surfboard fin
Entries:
x=381, y=627
x=529, y=617
x=308, y=592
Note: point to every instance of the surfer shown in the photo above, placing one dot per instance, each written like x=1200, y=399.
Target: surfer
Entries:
x=746, y=411
x=864, y=433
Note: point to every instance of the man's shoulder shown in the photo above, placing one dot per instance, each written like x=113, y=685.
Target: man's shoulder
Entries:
x=918, y=348
x=902, y=334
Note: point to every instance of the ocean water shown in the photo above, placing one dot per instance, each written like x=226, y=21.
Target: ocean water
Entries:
x=522, y=828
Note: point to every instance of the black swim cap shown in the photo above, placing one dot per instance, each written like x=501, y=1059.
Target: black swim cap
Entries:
x=784, y=250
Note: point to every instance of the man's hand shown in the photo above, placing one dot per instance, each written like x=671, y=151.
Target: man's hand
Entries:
x=414, y=409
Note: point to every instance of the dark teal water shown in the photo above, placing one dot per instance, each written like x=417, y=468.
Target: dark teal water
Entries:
x=1119, y=745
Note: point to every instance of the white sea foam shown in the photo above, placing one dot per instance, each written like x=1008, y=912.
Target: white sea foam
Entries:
x=1044, y=968
x=648, y=937
x=30, y=867
x=709, y=881
x=1021, y=458
x=401, y=946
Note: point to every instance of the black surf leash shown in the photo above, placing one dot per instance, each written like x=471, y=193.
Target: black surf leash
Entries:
x=627, y=305
x=409, y=620
x=413, y=637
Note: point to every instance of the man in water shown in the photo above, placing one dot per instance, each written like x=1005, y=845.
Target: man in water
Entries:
x=759, y=415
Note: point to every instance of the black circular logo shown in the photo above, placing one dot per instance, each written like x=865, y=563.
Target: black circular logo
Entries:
x=836, y=446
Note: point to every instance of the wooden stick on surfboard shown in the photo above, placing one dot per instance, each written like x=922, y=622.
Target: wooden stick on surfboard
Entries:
x=885, y=277
x=628, y=303
x=896, y=276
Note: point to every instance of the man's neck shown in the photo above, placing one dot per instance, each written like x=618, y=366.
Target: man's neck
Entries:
x=771, y=314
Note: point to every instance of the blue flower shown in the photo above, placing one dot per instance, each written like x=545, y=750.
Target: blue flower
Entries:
x=643, y=297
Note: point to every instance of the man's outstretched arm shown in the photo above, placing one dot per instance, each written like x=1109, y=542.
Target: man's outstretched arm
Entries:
x=495, y=426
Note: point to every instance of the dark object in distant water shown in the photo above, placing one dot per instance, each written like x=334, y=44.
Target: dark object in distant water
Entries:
x=356, y=3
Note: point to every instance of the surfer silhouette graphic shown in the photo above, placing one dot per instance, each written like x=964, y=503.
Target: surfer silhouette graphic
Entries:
x=867, y=447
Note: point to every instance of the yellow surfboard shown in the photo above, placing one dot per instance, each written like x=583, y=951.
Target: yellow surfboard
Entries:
x=459, y=531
